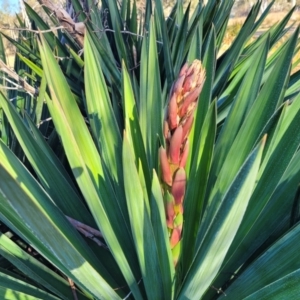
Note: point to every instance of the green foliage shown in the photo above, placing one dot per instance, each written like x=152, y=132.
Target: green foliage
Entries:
x=84, y=147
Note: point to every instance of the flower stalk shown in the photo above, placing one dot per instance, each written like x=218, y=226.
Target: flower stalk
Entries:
x=178, y=122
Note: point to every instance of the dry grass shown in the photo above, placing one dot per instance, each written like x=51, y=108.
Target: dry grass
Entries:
x=236, y=23
x=233, y=29
x=11, y=60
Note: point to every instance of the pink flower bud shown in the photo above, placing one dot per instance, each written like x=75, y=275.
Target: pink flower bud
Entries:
x=165, y=167
x=177, y=87
x=184, y=69
x=189, y=83
x=178, y=187
x=166, y=130
x=187, y=126
x=172, y=112
x=175, y=145
x=184, y=155
x=190, y=98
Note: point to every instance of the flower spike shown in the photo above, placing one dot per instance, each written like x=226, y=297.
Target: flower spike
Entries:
x=178, y=122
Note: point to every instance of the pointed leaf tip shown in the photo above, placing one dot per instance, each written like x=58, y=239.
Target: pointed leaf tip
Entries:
x=264, y=140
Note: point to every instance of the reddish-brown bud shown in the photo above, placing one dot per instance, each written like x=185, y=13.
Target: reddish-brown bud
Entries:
x=184, y=69
x=184, y=155
x=196, y=64
x=189, y=99
x=175, y=145
x=189, y=83
x=187, y=126
x=165, y=167
x=172, y=112
x=177, y=87
x=166, y=130
x=195, y=76
x=178, y=187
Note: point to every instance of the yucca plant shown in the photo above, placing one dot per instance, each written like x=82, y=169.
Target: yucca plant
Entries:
x=137, y=163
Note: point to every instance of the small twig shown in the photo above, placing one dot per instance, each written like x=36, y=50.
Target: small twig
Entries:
x=88, y=231
x=13, y=99
x=84, y=226
x=73, y=288
x=131, y=292
x=16, y=86
x=9, y=88
x=44, y=121
x=126, y=32
x=9, y=81
x=91, y=236
x=219, y=291
x=76, y=30
x=31, y=30
x=22, y=84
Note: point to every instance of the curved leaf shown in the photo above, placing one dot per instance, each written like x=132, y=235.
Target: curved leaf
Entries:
x=88, y=170
x=215, y=242
x=141, y=227
x=279, y=263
